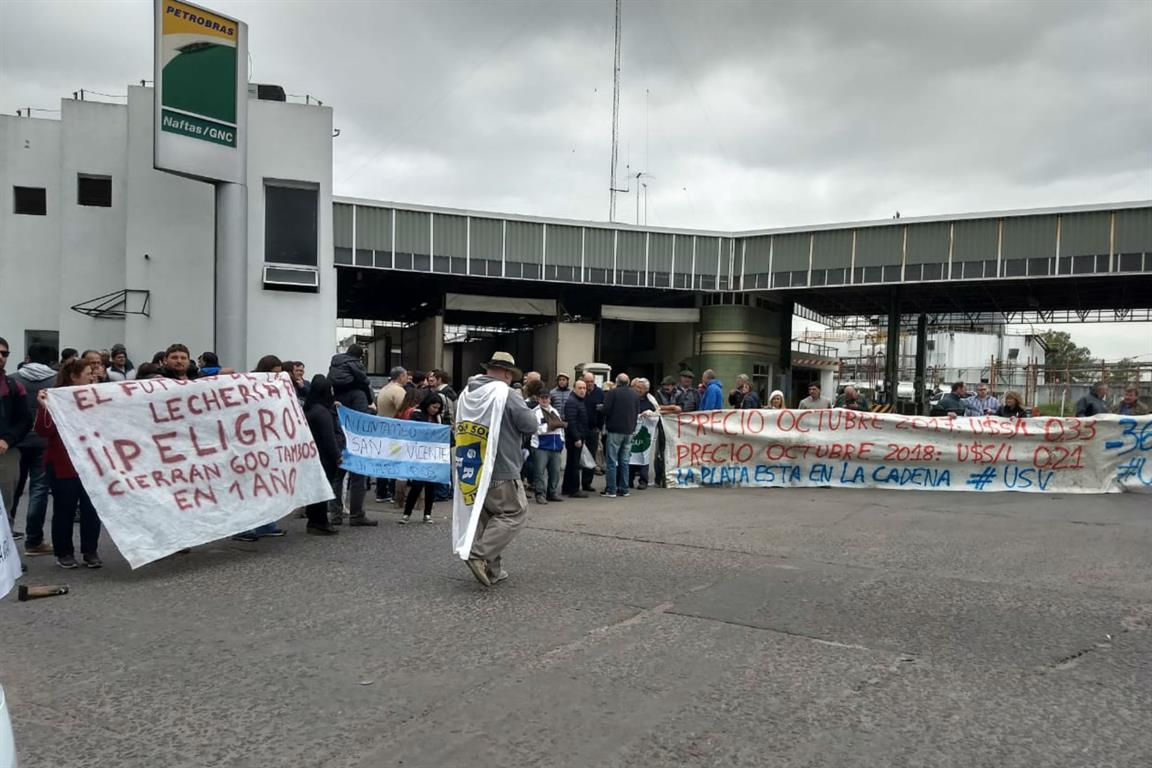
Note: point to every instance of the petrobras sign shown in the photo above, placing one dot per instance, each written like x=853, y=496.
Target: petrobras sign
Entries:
x=201, y=95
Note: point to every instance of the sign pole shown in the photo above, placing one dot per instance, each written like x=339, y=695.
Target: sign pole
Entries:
x=231, y=328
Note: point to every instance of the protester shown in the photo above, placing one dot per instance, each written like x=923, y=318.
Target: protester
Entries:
x=353, y=390
x=749, y=400
x=547, y=443
x=318, y=406
x=441, y=382
x=1012, y=408
x=37, y=375
x=411, y=401
x=505, y=505
x=121, y=368
x=687, y=395
x=295, y=369
x=983, y=403
x=269, y=364
x=1130, y=404
x=149, y=371
x=1095, y=402
x=620, y=408
x=646, y=405
x=576, y=435
x=67, y=354
x=209, y=364
x=952, y=403
x=852, y=400
x=389, y=400
x=68, y=494
x=736, y=396
x=177, y=361
x=95, y=359
x=15, y=421
x=594, y=405
x=430, y=410
x=776, y=400
x=815, y=400
x=713, y=399
x=560, y=393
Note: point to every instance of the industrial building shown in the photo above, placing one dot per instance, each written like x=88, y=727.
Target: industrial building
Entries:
x=97, y=247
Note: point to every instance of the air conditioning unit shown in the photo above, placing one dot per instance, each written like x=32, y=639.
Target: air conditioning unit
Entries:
x=265, y=92
x=281, y=277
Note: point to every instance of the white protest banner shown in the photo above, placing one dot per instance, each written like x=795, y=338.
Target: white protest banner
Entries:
x=643, y=440
x=10, y=569
x=170, y=464
x=479, y=414
x=850, y=449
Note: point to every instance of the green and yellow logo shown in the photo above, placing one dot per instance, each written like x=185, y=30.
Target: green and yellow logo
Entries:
x=199, y=73
x=471, y=450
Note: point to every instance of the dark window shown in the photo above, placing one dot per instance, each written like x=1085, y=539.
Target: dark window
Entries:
x=800, y=277
x=933, y=271
x=1130, y=262
x=441, y=264
x=291, y=225
x=1083, y=265
x=458, y=265
x=513, y=269
x=364, y=257
x=1102, y=262
x=94, y=190
x=30, y=201
x=658, y=279
x=1015, y=267
x=892, y=273
x=403, y=261
x=818, y=277
x=873, y=274
x=836, y=276
x=597, y=275
x=680, y=280
x=628, y=277
x=912, y=272
x=781, y=279
x=971, y=269
x=421, y=262
x=567, y=274
x=531, y=271
x=1039, y=266
x=344, y=255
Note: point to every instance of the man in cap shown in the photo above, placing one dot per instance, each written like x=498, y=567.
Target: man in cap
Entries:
x=505, y=505
x=687, y=396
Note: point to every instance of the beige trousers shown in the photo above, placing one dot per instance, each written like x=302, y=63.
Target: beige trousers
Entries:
x=504, y=512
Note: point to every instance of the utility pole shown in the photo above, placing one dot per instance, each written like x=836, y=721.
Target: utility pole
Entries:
x=615, y=120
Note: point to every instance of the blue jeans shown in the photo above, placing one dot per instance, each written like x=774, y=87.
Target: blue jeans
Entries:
x=38, y=488
x=616, y=462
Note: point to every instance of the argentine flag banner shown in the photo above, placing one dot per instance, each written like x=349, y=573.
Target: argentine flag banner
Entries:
x=396, y=449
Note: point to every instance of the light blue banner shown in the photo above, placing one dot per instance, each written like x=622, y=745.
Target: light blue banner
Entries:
x=396, y=449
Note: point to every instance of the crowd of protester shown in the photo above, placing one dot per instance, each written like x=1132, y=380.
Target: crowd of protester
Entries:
x=583, y=429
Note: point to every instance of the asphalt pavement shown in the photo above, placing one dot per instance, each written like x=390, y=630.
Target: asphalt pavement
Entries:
x=806, y=627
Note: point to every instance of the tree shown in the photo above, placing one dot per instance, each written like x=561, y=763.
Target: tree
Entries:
x=1064, y=359
x=1126, y=371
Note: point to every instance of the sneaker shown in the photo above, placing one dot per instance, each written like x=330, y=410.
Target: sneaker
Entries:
x=17, y=535
x=355, y=521
x=317, y=530
x=428, y=520
x=403, y=520
x=624, y=494
x=43, y=548
x=555, y=498
x=274, y=534
x=68, y=561
x=608, y=494
x=578, y=495
x=383, y=499
x=93, y=561
x=540, y=499
x=248, y=537
x=478, y=567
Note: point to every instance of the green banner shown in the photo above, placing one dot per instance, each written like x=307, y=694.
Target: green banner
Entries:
x=198, y=128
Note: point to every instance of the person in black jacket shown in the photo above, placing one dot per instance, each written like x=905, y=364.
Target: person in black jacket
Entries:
x=576, y=436
x=351, y=387
x=15, y=421
x=593, y=405
x=429, y=411
x=318, y=412
x=621, y=406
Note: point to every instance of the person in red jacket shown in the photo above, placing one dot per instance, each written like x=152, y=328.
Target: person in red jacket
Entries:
x=68, y=492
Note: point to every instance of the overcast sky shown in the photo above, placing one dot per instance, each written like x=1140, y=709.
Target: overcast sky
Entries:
x=746, y=115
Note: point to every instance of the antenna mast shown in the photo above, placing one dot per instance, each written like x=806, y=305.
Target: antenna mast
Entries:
x=615, y=120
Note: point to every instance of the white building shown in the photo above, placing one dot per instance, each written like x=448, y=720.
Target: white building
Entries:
x=97, y=247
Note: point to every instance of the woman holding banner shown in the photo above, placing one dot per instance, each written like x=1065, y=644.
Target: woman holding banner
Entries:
x=318, y=405
x=68, y=492
x=430, y=411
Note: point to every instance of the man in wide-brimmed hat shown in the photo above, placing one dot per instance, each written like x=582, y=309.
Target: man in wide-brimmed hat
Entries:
x=506, y=505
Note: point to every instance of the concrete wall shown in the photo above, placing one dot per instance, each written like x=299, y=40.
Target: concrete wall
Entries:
x=29, y=245
x=93, y=140
x=735, y=338
x=575, y=343
x=430, y=340
x=290, y=142
x=171, y=219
